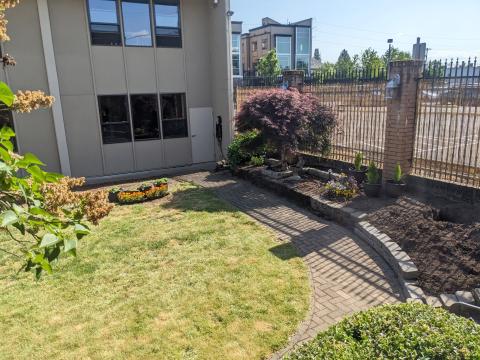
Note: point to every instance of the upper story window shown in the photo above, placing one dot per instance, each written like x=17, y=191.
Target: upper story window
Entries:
x=167, y=23
x=284, y=51
x=114, y=119
x=104, y=22
x=136, y=22
x=236, y=54
x=106, y=29
x=254, y=46
x=264, y=44
x=302, y=56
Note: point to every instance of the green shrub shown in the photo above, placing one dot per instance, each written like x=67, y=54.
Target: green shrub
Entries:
x=145, y=187
x=406, y=331
x=398, y=175
x=245, y=146
x=373, y=175
x=160, y=182
x=257, y=160
x=358, y=161
x=115, y=190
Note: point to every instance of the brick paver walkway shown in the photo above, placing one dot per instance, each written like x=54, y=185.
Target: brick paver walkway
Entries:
x=346, y=274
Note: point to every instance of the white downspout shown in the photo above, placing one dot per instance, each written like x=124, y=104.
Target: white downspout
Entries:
x=53, y=85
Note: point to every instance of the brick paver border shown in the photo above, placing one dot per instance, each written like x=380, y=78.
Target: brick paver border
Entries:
x=346, y=274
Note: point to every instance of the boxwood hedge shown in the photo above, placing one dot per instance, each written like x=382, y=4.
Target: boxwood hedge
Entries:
x=406, y=331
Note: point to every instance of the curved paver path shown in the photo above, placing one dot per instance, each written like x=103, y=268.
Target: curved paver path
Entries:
x=346, y=275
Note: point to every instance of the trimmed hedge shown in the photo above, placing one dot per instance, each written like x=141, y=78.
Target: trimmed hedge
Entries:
x=406, y=331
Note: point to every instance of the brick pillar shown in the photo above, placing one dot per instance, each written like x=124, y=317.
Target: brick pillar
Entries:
x=294, y=78
x=400, y=123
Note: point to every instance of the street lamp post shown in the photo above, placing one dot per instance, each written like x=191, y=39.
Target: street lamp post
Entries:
x=390, y=42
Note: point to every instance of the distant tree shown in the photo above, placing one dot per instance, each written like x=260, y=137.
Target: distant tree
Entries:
x=288, y=120
x=436, y=68
x=356, y=62
x=326, y=68
x=344, y=63
x=316, y=55
x=371, y=62
x=269, y=65
x=395, y=55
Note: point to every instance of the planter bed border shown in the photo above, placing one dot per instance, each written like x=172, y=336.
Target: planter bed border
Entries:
x=462, y=302
x=155, y=191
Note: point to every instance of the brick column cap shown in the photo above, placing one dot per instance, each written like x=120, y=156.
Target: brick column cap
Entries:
x=406, y=64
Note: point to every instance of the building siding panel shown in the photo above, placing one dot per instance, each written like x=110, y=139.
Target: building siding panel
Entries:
x=36, y=131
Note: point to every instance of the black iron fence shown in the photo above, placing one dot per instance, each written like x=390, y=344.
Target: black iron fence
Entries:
x=358, y=101
x=447, y=132
x=447, y=139
x=356, y=97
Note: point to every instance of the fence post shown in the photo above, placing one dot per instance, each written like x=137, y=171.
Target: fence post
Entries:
x=294, y=78
x=401, y=117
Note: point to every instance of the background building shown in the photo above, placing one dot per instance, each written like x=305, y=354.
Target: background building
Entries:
x=139, y=84
x=293, y=43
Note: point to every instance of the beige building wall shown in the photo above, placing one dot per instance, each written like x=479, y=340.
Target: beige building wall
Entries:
x=201, y=69
x=35, y=132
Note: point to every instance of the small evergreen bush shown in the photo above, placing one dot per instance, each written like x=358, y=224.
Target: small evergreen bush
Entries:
x=373, y=175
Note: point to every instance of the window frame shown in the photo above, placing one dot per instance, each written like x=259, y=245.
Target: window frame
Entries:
x=184, y=118
x=284, y=54
x=156, y=26
x=264, y=44
x=118, y=24
x=157, y=104
x=299, y=55
x=239, y=54
x=150, y=19
x=128, y=116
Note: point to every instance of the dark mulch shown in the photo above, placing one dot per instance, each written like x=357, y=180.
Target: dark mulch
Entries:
x=447, y=254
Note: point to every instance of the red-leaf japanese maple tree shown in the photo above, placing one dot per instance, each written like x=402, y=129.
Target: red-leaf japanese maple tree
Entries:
x=288, y=121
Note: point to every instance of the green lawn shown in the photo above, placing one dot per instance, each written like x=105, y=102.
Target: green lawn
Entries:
x=186, y=277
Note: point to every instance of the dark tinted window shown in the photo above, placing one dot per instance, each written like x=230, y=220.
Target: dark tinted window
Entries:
x=167, y=23
x=145, y=117
x=136, y=22
x=174, y=119
x=114, y=119
x=104, y=24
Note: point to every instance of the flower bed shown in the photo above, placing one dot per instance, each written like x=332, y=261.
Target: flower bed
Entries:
x=145, y=192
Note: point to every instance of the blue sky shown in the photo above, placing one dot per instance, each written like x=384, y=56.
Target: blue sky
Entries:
x=450, y=28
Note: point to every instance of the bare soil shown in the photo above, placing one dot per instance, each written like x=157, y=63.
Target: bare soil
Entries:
x=309, y=185
x=441, y=236
x=446, y=253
